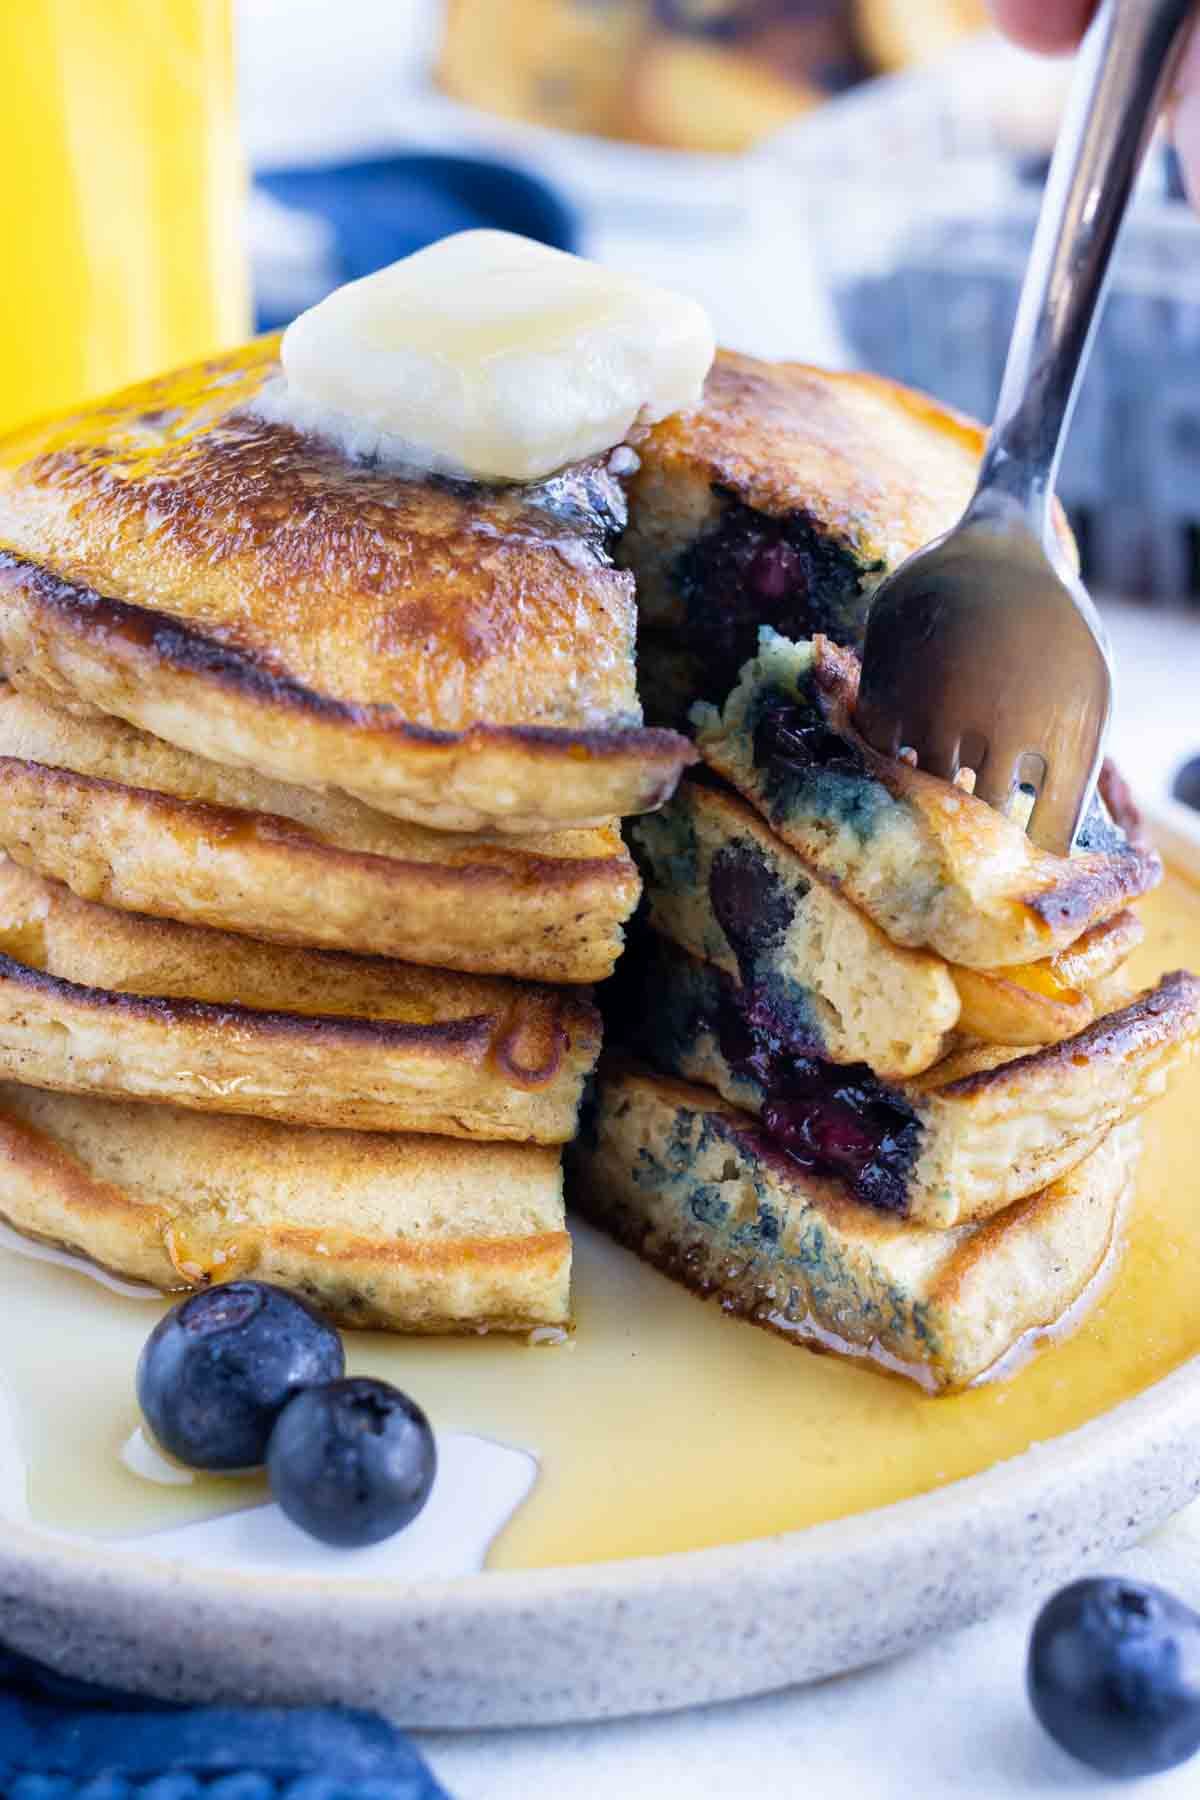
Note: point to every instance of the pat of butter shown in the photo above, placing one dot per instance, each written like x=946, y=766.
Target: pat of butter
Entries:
x=492, y=356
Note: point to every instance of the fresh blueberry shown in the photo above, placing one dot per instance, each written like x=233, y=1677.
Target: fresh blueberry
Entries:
x=1186, y=786
x=217, y=1370
x=352, y=1462
x=1114, y=1676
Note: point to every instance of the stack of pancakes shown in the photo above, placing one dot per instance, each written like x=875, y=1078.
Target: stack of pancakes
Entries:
x=876, y=1068
x=309, y=781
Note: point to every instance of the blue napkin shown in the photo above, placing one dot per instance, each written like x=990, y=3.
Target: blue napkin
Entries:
x=66, y=1740
x=372, y=212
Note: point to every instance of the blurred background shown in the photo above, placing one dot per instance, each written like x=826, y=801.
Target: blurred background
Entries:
x=843, y=181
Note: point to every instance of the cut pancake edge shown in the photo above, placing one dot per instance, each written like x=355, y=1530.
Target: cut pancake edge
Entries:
x=964, y=1140
x=974, y=888
x=692, y=1186
x=721, y=886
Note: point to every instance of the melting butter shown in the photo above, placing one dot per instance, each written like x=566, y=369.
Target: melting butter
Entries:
x=490, y=356
x=661, y=1424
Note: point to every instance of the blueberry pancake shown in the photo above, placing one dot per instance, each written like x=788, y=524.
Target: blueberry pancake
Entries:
x=415, y=1234
x=101, y=1002
x=452, y=653
x=981, y=1129
x=782, y=500
x=696, y=1187
x=934, y=867
x=128, y=820
x=723, y=887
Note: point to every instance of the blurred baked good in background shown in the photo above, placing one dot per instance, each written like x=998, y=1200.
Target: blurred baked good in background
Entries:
x=895, y=34
x=692, y=94
x=562, y=63
x=699, y=75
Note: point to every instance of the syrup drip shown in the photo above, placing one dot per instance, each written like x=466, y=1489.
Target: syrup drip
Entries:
x=660, y=1424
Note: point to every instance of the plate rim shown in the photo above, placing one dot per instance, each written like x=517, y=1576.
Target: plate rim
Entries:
x=931, y=1562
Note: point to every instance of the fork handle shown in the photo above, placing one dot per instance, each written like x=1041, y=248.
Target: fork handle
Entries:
x=1121, y=80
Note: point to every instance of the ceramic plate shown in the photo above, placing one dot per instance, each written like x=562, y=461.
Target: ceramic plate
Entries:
x=242, y=1607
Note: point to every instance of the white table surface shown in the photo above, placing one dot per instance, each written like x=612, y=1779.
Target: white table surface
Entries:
x=947, y=1721
x=951, y=1719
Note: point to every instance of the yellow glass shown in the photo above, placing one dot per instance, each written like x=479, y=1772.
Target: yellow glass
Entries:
x=121, y=195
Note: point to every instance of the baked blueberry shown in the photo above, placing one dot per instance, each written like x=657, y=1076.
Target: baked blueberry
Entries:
x=751, y=570
x=1114, y=1675
x=750, y=901
x=845, y=1122
x=352, y=1462
x=1186, y=785
x=215, y=1373
x=795, y=736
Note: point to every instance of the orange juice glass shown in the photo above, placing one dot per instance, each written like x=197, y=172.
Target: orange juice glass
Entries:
x=121, y=195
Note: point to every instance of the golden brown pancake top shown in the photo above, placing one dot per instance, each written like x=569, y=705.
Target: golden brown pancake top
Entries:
x=450, y=601
x=877, y=466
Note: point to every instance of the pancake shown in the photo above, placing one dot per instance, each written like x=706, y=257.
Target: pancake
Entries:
x=1044, y=1002
x=723, y=887
x=100, y=1002
x=133, y=822
x=783, y=500
x=934, y=867
x=695, y=1187
x=450, y=653
x=793, y=488
x=415, y=1234
x=981, y=1129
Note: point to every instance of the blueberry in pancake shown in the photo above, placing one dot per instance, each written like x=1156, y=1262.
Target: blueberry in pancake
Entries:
x=782, y=499
x=721, y=885
x=980, y=1129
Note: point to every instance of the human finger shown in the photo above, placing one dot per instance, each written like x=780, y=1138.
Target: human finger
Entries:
x=1049, y=25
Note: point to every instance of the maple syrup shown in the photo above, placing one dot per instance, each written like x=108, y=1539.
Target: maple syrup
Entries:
x=659, y=1424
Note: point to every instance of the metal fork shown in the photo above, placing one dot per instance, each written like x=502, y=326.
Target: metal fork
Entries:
x=983, y=651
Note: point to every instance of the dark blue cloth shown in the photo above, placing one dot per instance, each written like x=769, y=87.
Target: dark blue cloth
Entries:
x=385, y=208
x=64, y=1740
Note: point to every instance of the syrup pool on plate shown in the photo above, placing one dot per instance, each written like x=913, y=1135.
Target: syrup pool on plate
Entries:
x=660, y=1424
